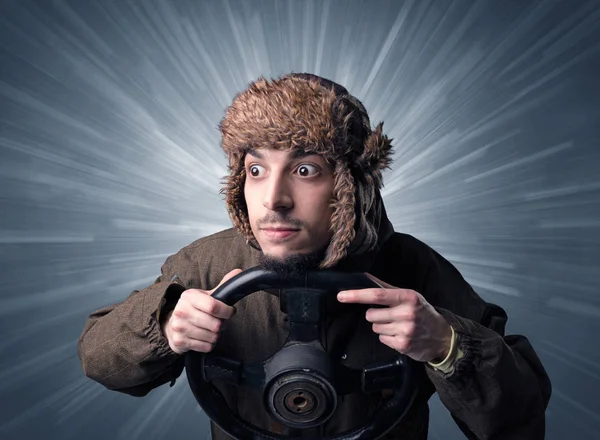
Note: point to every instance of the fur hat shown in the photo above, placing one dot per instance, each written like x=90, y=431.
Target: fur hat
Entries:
x=318, y=116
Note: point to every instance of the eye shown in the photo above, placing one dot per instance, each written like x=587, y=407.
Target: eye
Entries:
x=307, y=170
x=256, y=170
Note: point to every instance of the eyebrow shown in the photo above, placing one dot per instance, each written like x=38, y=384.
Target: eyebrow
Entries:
x=253, y=152
x=297, y=153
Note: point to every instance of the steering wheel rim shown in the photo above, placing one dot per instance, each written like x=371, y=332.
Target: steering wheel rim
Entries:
x=201, y=367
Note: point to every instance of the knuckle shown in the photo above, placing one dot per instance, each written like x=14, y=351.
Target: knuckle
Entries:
x=179, y=313
x=408, y=344
x=410, y=316
x=211, y=306
x=186, y=295
x=177, y=327
x=178, y=341
x=216, y=326
x=413, y=298
x=205, y=347
x=403, y=344
x=380, y=294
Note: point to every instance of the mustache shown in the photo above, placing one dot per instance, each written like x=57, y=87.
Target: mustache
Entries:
x=275, y=218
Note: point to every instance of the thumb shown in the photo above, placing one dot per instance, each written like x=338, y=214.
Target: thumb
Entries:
x=227, y=277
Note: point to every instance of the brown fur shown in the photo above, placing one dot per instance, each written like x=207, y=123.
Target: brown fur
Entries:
x=293, y=112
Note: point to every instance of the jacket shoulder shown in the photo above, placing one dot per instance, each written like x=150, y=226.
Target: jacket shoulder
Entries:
x=230, y=235
x=215, y=255
x=406, y=245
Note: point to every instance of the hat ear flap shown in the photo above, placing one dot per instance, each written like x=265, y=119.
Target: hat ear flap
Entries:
x=236, y=202
x=377, y=154
x=343, y=216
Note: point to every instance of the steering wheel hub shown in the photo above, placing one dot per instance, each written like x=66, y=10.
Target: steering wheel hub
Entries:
x=301, y=399
x=300, y=392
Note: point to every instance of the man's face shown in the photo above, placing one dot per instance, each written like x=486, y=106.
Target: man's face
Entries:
x=288, y=194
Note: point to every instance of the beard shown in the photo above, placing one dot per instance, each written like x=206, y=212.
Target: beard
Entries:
x=294, y=265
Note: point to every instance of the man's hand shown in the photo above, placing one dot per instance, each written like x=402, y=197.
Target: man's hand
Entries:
x=409, y=324
x=196, y=320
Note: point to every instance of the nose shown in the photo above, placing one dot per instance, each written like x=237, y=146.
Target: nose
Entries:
x=277, y=196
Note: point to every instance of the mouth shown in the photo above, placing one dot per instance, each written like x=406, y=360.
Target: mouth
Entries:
x=279, y=233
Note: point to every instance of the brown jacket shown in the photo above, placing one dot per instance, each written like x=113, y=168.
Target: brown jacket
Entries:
x=498, y=390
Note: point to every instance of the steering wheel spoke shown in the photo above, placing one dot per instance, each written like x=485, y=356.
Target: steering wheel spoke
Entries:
x=383, y=375
x=304, y=309
x=232, y=371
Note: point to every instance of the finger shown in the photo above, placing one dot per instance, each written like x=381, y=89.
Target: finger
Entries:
x=202, y=347
x=402, y=329
x=199, y=318
x=202, y=302
x=190, y=331
x=180, y=344
x=384, y=297
x=225, y=311
x=399, y=313
x=401, y=345
x=227, y=277
x=389, y=329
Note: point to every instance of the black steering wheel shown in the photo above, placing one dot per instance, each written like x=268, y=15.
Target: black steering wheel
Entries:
x=300, y=383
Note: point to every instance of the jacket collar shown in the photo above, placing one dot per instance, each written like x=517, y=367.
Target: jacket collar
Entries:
x=364, y=262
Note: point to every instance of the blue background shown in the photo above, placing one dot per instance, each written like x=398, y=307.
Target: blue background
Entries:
x=110, y=161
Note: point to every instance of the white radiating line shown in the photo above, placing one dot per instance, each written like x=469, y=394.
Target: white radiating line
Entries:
x=577, y=307
x=525, y=160
x=23, y=237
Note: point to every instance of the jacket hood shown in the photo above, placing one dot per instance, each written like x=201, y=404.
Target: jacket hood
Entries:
x=316, y=115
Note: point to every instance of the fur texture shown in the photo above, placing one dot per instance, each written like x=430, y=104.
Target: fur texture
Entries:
x=316, y=115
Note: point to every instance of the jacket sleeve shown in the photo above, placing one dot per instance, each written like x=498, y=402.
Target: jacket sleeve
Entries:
x=122, y=346
x=499, y=390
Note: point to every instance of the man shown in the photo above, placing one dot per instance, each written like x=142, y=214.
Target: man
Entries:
x=304, y=192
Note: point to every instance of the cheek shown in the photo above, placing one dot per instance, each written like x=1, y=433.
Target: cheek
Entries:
x=250, y=203
x=326, y=209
